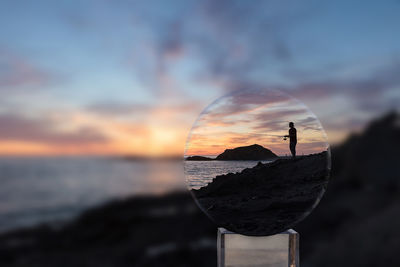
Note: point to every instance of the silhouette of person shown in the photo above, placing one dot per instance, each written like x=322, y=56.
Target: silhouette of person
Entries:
x=293, y=139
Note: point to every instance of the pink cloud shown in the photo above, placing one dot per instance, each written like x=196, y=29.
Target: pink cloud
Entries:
x=19, y=128
x=16, y=71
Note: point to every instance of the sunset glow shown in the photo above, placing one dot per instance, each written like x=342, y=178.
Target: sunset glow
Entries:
x=255, y=117
x=101, y=78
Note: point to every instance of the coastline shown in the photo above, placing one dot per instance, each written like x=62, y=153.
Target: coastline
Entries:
x=137, y=231
x=359, y=192
x=285, y=189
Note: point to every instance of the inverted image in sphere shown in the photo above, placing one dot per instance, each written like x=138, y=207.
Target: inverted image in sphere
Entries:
x=257, y=161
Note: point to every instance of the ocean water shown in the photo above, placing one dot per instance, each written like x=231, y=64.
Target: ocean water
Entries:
x=201, y=173
x=35, y=190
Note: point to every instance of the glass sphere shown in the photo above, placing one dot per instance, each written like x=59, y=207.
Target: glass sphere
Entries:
x=257, y=161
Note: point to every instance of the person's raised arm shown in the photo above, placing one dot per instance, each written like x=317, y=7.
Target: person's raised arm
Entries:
x=288, y=135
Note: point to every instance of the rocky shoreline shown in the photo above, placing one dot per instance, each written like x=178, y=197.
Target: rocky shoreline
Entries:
x=267, y=198
x=168, y=230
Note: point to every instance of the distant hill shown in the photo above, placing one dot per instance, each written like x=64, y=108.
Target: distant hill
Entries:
x=361, y=201
x=253, y=152
x=198, y=158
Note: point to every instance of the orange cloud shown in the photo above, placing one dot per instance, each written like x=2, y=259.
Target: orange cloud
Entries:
x=235, y=122
x=160, y=131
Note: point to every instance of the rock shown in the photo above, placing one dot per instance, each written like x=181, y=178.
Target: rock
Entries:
x=253, y=152
x=362, y=203
x=198, y=158
x=279, y=195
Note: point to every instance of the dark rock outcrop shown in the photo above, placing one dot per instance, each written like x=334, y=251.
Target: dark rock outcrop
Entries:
x=198, y=158
x=268, y=198
x=253, y=152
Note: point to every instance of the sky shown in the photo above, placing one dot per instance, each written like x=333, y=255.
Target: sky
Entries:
x=262, y=117
x=131, y=77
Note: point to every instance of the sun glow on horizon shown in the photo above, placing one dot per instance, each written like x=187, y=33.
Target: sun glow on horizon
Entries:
x=159, y=133
x=162, y=131
x=256, y=118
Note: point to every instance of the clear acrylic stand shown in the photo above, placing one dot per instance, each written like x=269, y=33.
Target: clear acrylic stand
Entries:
x=280, y=250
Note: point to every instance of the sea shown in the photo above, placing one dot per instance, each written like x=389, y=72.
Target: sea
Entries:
x=35, y=190
x=201, y=173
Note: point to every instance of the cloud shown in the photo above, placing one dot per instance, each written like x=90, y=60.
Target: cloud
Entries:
x=235, y=48
x=113, y=108
x=19, y=128
x=244, y=101
x=271, y=125
x=257, y=111
x=363, y=89
x=367, y=94
x=118, y=108
x=344, y=124
x=224, y=40
x=171, y=44
x=153, y=56
x=244, y=38
x=277, y=121
x=283, y=113
x=16, y=71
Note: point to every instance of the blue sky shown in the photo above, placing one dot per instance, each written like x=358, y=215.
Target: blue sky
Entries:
x=154, y=65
